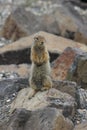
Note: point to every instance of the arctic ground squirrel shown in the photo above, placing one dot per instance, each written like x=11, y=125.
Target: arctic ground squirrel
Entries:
x=40, y=69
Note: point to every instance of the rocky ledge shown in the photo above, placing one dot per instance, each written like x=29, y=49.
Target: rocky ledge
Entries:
x=63, y=107
x=63, y=24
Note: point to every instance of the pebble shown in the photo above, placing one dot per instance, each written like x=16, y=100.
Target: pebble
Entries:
x=8, y=100
x=78, y=122
x=9, y=75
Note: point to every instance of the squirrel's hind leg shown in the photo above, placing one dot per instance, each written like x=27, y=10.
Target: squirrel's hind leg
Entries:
x=47, y=83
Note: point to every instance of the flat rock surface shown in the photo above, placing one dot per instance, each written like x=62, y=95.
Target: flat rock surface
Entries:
x=82, y=126
x=52, y=97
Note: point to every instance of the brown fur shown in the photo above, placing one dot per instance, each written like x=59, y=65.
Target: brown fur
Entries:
x=40, y=70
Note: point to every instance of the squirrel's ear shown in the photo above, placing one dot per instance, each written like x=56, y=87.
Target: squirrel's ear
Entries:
x=36, y=38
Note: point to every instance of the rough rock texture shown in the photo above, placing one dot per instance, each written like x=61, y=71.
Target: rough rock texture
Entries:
x=53, y=98
x=64, y=21
x=82, y=126
x=22, y=70
x=82, y=98
x=80, y=3
x=22, y=23
x=66, y=87
x=44, y=119
x=78, y=70
x=61, y=65
x=72, y=23
x=19, y=52
x=10, y=86
x=53, y=109
x=82, y=115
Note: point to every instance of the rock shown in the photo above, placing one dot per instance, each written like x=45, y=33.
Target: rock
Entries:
x=18, y=119
x=19, y=52
x=82, y=96
x=3, y=41
x=46, y=119
x=78, y=70
x=64, y=20
x=53, y=98
x=9, y=86
x=5, y=1
x=68, y=111
x=80, y=3
x=22, y=70
x=71, y=65
x=22, y=23
x=83, y=114
x=62, y=64
x=66, y=87
x=82, y=126
x=70, y=23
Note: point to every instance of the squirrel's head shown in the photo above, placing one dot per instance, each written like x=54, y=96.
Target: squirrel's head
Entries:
x=39, y=42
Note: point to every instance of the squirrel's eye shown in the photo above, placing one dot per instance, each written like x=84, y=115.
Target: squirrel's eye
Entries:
x=42, y=43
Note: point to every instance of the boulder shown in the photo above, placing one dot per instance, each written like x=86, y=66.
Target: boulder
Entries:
x=64, y=20
x=82, y=96
x=82, y=115
x=78, y=70
x=53, y=98
x=10, y=86
x=64, y=100
x=71, y=24
x=19, y=52
x=71, y=65
x=80, y=3
x=72, y=21
x=62, y=64
x=22, y=70
x=43, y=119
x=82, y=126
x=67, y=87
x=21, y=23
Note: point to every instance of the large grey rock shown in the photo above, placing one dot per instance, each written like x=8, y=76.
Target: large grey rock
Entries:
x=23, y=23
x=10, y=86
x=64, y=21
x=82, y=96
x=82, y=126
x=44, y=119
x=71, y=24
x=27, y=98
